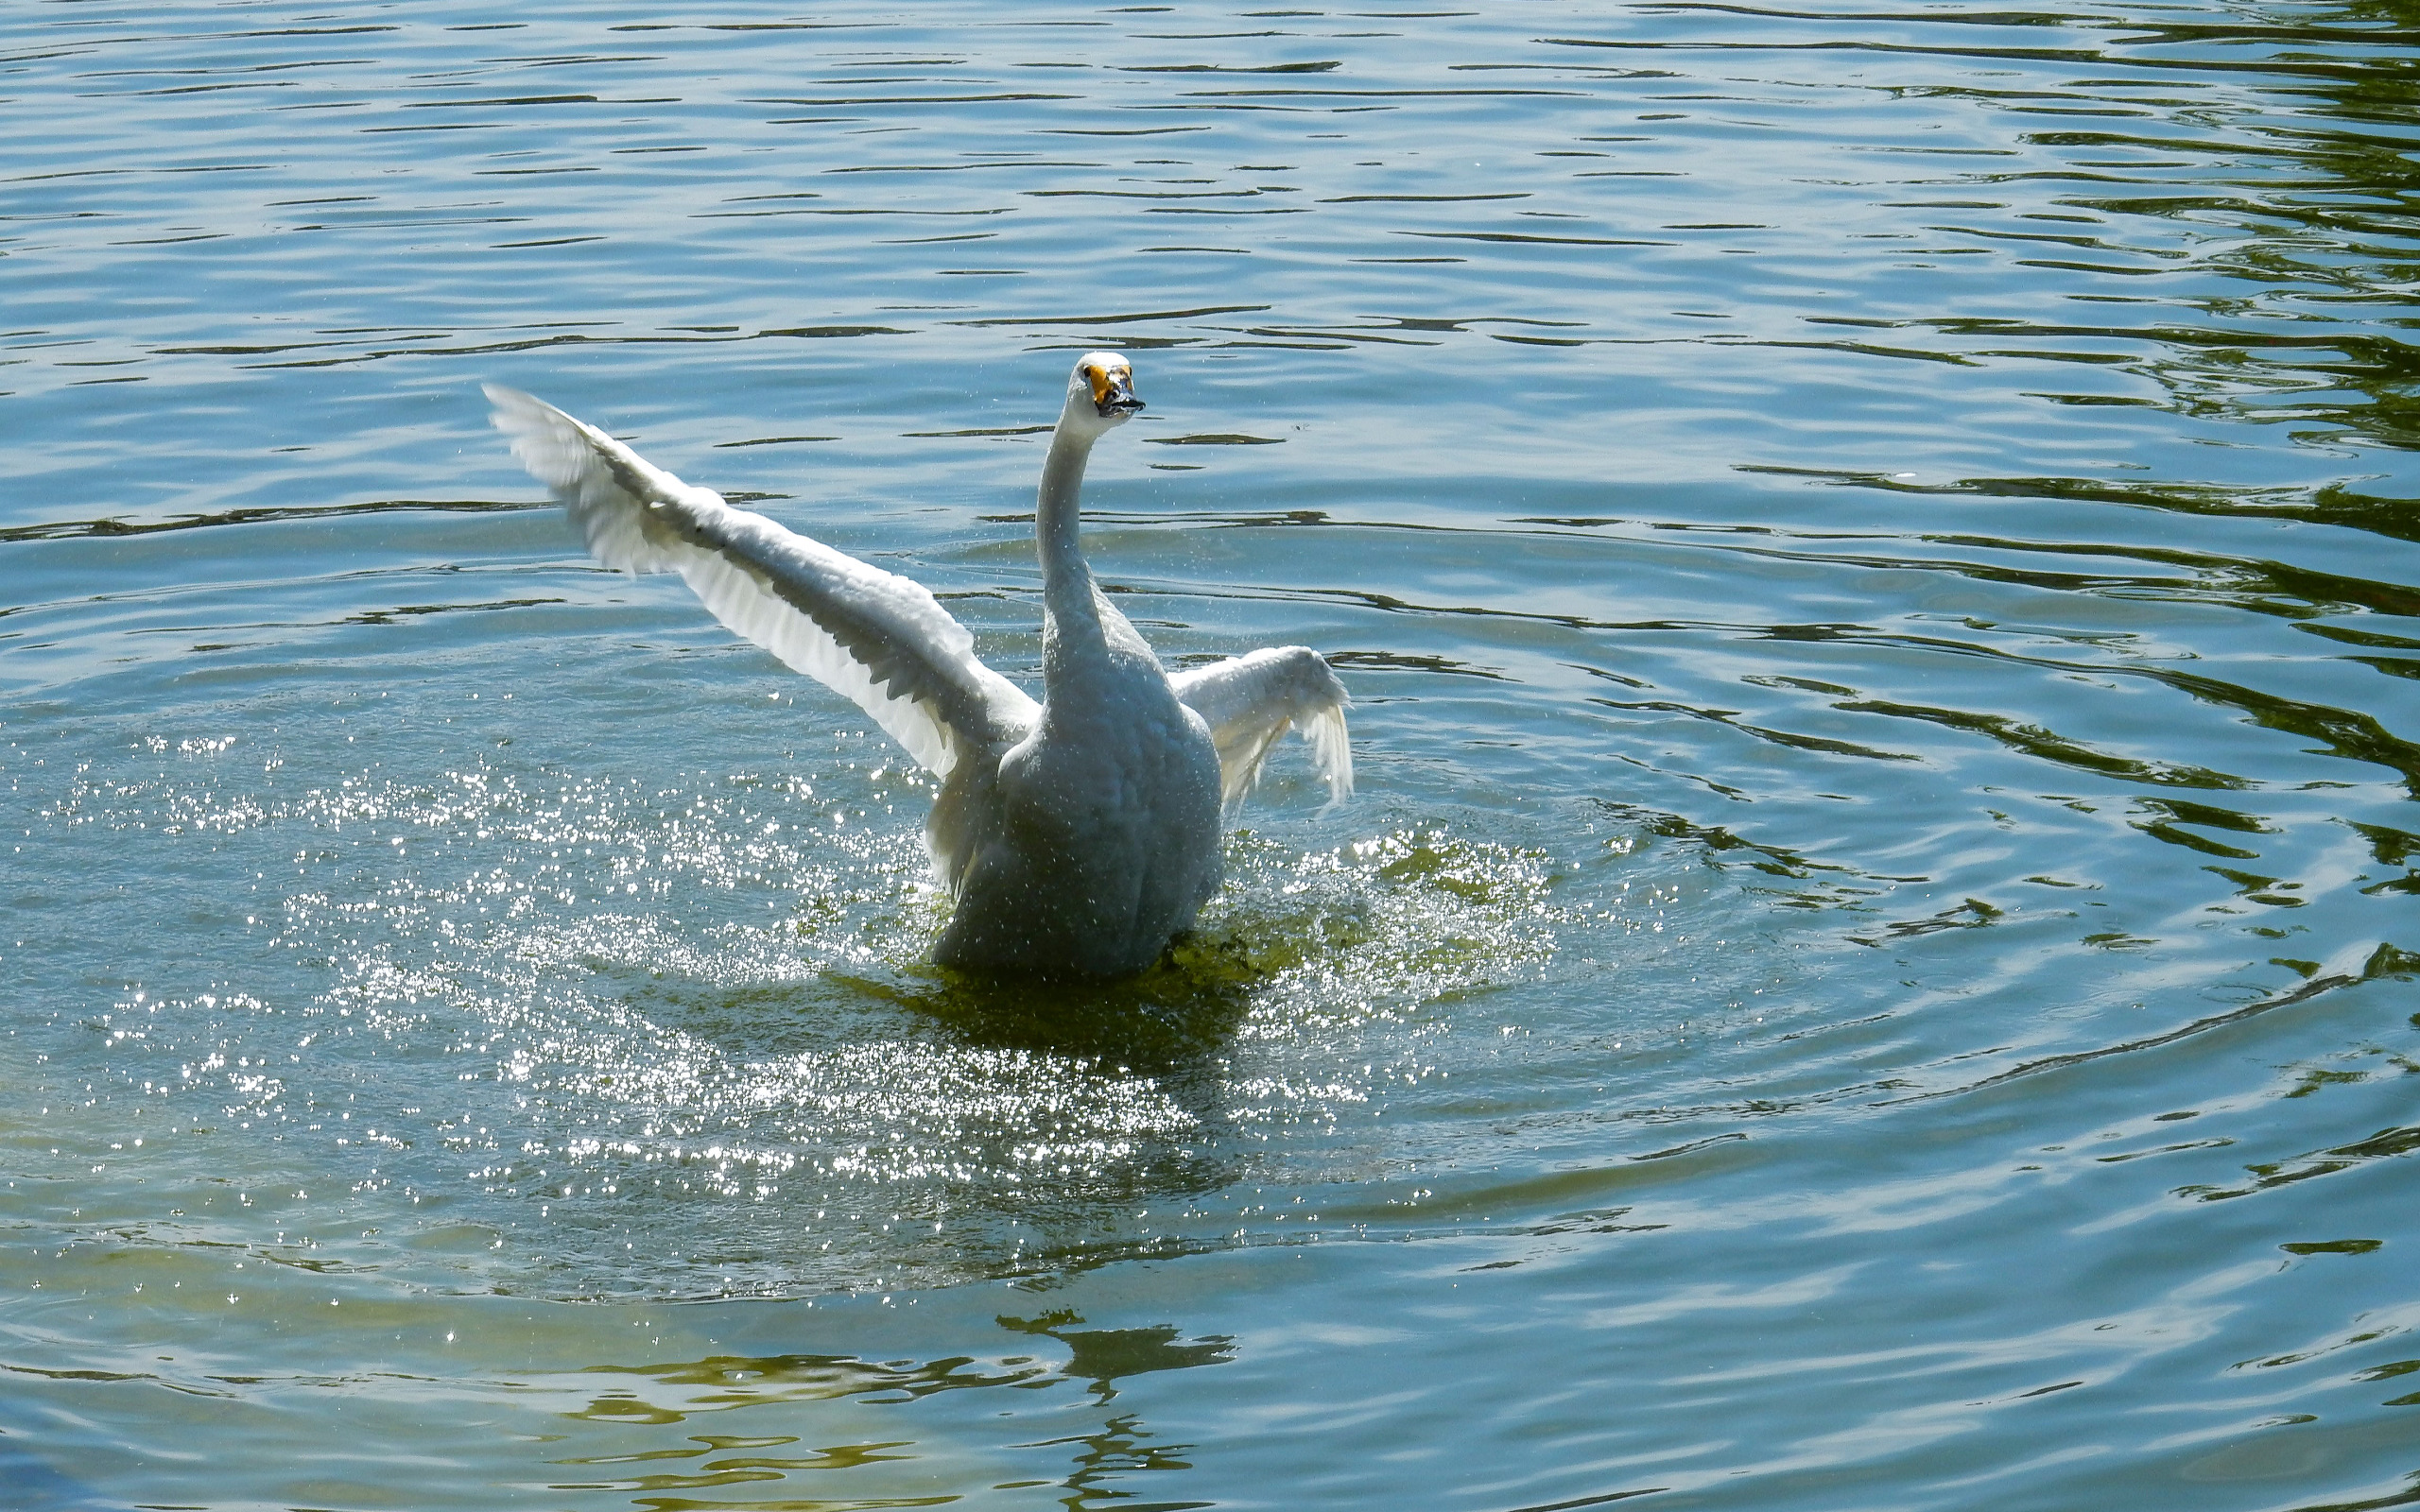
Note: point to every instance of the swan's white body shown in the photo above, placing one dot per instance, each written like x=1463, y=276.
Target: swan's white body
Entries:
x=1079, y=835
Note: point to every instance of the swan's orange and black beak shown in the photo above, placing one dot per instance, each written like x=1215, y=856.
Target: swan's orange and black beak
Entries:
x=1113, y=390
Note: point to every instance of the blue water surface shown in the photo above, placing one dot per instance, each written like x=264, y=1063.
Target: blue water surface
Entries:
x=1871, y=967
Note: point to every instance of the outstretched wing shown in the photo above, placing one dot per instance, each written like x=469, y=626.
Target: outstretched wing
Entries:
x=880, y=639
x=1249, y=701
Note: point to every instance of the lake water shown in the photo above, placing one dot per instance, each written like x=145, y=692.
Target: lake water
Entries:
x=1872, y=966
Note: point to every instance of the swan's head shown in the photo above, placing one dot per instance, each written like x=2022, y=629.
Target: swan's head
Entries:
x=1100, y=392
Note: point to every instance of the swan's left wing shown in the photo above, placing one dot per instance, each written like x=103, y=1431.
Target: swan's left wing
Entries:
x=881, y=639
x=1249, y=701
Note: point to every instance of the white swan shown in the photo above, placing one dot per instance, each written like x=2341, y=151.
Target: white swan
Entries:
x=1079, y=834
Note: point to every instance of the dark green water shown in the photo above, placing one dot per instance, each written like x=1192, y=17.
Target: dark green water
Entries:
x=1872, y=966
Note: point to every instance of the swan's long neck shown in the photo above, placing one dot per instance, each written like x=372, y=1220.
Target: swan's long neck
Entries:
x=1066, y=581
x=1055, y=521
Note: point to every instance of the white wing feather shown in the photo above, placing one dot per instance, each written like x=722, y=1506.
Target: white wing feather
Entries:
x=881, y=640
x=1249, y=701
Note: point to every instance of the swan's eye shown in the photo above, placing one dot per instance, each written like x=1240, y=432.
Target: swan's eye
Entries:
x=1098, y=378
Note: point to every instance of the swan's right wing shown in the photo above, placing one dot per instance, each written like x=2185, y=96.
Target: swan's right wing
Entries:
x=880, y=639
x=1249, y=701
